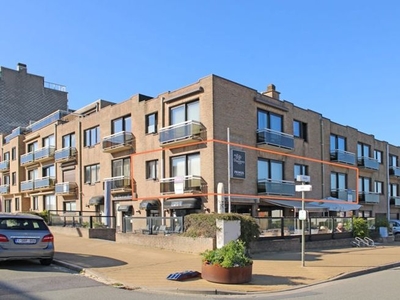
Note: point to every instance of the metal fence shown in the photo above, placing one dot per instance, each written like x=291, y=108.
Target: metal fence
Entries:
x=152, y=225
x=85, y=219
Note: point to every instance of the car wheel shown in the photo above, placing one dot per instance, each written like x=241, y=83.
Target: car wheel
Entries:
x=46, y=261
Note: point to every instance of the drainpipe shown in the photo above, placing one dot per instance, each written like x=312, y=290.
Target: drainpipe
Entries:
x=80, y=189
x=388, y=182
x=162, y=160
x=55, y=146
x=322, y=156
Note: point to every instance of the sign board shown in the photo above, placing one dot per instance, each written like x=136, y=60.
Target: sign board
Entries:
x=238, y=164
x=303, y=178
x=302, y=215
x=303, y=188
x=178, y=184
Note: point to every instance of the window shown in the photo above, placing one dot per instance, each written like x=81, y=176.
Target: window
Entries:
x=121, y=167
x=185, y=165
x=338, y=183
x=32, y=146
x=50, y=202
x=70, y=206
x=17, y=208
x=121, y=124
x=337, y=143
x=92, y=137
x=393, y=160
x=363, y=150
x=48, y=171
x=14, y=178
x=7, y=205
x=13, y=153
x=300, y=170
x=364, y=184
x=379, y=187
x=6, y=156
x=151, y=123
x=35, y=203
x=6, y=179
x=48, y=141
x=68, y=140
x=185, y=112
x=300, y=130
x=269, y=169
x=32, y=174
x=393, y=190
x=92, y=174
x=378, y=155
x=151, y=169
x=268, y=120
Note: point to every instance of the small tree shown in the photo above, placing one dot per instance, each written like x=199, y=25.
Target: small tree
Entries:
x=360, y=228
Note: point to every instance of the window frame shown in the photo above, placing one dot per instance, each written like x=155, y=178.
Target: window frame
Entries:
x=88, y=177
x=91, y=137
x=149, y=125
x=302, y=130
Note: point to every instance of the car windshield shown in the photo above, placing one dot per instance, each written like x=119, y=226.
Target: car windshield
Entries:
x=22, y=224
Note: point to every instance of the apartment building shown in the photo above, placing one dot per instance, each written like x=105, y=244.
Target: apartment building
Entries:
x=213, y=145
x=27, y=98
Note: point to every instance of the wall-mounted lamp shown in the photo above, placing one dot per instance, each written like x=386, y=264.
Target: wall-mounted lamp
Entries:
x=139, y=212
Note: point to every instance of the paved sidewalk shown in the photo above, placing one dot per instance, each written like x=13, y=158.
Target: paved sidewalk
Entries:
x=140, y=267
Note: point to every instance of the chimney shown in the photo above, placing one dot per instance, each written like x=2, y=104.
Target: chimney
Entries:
x=271, y=92
x=21, y=67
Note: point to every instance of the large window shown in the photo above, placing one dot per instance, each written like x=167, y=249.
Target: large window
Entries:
x=48, y=141
x=32, y=146
x=268, y=120
x=7, y=205
x=185, y=165
x=337, y=143
x=69, y=206
x=363, y=150
x=92, y=174
x=50, y=202
x=338, y=181
x=300, y=170
x=269, y=169
x=393, y=190
x=121, y=167
x=151, y=169
x=92, y=137
x=300, y=130
x=185, y=112
x=393, y=160
x=48, y=171
x=6, y=156
x=378, y=155
x=379, y=187
x=364, y=184
x=151, y=123
x=121, y=124
x=68, y=140
x=33, y=174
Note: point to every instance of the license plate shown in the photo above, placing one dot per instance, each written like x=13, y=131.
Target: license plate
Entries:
x=25, y=241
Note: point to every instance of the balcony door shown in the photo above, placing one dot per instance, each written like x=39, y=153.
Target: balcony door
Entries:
x=185, y=165
x=185, y=112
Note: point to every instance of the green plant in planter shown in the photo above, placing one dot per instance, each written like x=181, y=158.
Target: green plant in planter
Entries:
x=233, y=254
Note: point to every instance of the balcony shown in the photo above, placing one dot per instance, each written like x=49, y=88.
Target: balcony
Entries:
x=5, y=166
x=27, y=186
x=272, y=139
x=344, y=194
x=66, y=188
x=181, y=184
x=343, y=157
x=276, y=187
x=45, y=183
x=118, y=142
x=27, y=159
x=394, y=171
x=44, y=154
x=368, y=163
x=120, y=184
x=5, y=189
x=65, y=154
x=395, y=200
x=368, y=197
x=182, y=133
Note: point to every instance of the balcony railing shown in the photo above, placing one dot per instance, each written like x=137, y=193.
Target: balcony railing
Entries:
x=44, y=153
x=181, y=133
x=65, y=154
x=181, y=184
x=344, y=194
x=269, y=137
x=66, y=188
x=27, y=159
x=368, y=163
x=44, y=183
x=395, y=200
x=27, y=185
x=5, y=189
x=343, y=157
x=394, y=171
x=276, y=187
x=120, y=183
x=118, y=142
x=4, y=166
x=368, y=197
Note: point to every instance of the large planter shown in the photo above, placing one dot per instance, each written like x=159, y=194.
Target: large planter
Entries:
x=218, y=274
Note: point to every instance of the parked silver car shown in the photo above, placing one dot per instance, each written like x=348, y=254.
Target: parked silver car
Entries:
x=395, y=226
x=25, y=236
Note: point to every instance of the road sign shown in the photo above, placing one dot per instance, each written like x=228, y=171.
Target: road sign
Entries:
x=303, y=178
x=303, y=188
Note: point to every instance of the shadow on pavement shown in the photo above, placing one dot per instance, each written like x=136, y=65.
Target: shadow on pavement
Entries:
x=88, y=261
x=276, y=280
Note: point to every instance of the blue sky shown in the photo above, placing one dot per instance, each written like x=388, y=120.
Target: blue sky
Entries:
x=340, y=58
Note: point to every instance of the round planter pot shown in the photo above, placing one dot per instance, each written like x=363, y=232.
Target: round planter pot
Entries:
x=217, y=274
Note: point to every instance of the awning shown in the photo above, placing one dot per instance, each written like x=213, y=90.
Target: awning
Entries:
x=96, y=200
x=183, y=203
x=337, y=205
x=150, y=204
x=125, y=208
x=296, y=204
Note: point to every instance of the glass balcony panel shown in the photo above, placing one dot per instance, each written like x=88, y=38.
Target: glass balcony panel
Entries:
x=344, y=194
x=368, y=162
x=343, y=157
x=395, y=171
x=190, y=184
x=274, y=187
x=65, y=154
x=369, y=197
x=4, y=165
x=118, y=140
x=66, y=188
x=181, y=131
x=120, y=182
x=5, y=189
x=27, y=158
x=45, y=182
x=27, y=185
x=43, y=153
x=275, y=138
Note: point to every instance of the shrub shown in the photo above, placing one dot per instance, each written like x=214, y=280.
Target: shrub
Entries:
x=360, y=228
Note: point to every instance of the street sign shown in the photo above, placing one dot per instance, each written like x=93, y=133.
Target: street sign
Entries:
x=303, y=188
x=303, y=178
x=302, y=215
